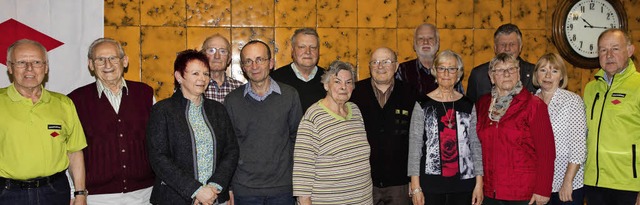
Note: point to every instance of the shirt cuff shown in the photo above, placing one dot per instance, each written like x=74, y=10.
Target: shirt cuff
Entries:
x=217, y=186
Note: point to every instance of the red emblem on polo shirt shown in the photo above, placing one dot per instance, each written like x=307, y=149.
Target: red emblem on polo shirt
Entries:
x=616, y=101
x=54, y=134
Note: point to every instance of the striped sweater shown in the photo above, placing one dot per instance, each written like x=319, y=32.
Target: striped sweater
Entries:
x=331, y=157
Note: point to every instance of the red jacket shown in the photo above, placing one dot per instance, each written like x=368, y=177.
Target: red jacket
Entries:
x=518, y=151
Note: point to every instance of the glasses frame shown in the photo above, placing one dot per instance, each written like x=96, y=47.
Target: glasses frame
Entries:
x=510, y=70
x=213, y=51
x=258, y=61
x=25, y=64
x=450, y=70
x=384, y=63
x=102, y=61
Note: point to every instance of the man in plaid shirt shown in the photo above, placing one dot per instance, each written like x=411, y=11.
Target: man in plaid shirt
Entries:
x=218, y=50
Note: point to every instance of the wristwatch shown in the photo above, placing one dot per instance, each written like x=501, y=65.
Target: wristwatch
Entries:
x=81, y=192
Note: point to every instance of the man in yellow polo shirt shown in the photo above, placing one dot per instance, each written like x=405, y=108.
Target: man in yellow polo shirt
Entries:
x=40, y=134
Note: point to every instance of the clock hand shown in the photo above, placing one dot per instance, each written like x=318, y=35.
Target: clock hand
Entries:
x=589, y=25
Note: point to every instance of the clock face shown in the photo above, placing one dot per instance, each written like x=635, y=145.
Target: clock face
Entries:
x=584, y=23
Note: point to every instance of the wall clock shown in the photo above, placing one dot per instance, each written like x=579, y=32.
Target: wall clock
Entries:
x=577, y=25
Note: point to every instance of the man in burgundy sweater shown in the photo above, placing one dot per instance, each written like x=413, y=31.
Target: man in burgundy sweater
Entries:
x=114, y=114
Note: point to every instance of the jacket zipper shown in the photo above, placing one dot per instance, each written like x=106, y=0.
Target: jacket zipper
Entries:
x=604, y=100
x=593, y=107
x=633, y=160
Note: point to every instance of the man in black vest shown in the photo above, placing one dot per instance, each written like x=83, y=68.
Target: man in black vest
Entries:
x=386, y=105
x=114, y=114
x=507, y=39
x=303, y=73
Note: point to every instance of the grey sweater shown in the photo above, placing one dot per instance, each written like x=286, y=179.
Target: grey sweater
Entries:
x=266, y=133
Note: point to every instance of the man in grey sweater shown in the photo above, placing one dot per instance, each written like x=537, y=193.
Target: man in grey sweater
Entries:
x=265, y=115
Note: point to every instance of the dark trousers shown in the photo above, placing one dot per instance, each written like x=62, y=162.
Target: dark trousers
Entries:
x=56, y=192
x=281, y=199
x=599, y=195
x=577, y=196
x=391, y=195
x=462, y=198
x=490, y=201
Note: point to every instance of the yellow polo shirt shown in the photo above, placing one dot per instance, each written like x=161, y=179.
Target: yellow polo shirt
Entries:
x=36, y=138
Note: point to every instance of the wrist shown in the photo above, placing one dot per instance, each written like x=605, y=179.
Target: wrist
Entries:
x=82, y=192
x=415, y=191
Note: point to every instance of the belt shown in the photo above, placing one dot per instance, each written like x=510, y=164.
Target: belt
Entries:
x=31, y=183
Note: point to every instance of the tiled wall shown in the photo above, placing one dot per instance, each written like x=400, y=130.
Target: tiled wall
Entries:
x=153, y=31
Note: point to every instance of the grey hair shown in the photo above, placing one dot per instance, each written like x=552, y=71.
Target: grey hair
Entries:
x=503, y=58
x=26, y=41
x=99, y=41
x=305, y=31
x=627, y=36
x=427, y=25
x=217, y=35
x=335, y=67
x=448, y=54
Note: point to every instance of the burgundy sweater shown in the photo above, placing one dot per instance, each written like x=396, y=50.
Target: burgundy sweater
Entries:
x=116, y=157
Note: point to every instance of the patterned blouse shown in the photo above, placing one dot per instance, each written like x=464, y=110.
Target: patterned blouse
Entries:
x=568, y=121
x=203, y=142
x=331, y=157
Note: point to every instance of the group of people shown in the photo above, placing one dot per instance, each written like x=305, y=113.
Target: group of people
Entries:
x=302, y=134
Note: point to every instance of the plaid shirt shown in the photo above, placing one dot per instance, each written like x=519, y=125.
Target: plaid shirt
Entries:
x=217, y=93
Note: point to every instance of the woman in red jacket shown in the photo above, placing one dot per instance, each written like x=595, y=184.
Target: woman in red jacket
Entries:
x=517, y=140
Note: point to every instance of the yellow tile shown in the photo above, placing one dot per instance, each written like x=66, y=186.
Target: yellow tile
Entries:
x=162, y=13
x=121, y=12
x=239, y=37
x=208, y=13
x=412, y=13
x=633, y=16
x=459, y=41
x=252, y=13
x=377, y=13
x=534, y=45
x=454, y=14
x=197, y=35
x=337, y=44
x=529, y=14
x=129, y=37
x=159, y=46
x=369, y=40
x=551, y=6
x=296, y=13
x=490, y=14
x=283, y=46
x=405, y=44
x=336, y=13
x=482, y=46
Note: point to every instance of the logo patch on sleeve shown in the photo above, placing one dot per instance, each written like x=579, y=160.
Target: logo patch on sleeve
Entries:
x=618, y=95
x=54, y=134
x=54, y=127
x=615, y=102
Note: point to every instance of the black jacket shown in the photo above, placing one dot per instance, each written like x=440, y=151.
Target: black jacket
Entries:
x=170, y=143
x=480, y=84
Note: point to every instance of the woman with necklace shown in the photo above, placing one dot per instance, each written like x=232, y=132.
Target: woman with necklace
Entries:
x=517, y=140
x=445, y=156
x=568, y=120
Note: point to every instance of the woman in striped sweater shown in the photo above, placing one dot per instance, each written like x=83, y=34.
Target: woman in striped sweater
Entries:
x=331, y=156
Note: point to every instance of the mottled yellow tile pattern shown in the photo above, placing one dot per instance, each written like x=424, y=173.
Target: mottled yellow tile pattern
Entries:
x=159, y=46
x=335, y=13
x=296, y=13
x=412, y=13
x=153, y=31
x=208, y=13
x=377, y=13
x=121, y=12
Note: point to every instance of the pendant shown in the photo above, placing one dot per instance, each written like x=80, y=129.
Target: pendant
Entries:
x=449, y=125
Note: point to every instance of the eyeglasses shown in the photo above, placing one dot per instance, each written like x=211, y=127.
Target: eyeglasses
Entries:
x=449, y=70
x=510, y=70
x=24, y=64
x=103, y=60
x=212, y=51
x=385, y=63
x=259, y=61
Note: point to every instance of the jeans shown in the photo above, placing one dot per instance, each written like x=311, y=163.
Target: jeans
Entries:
x=280, y=199
x=57, y=192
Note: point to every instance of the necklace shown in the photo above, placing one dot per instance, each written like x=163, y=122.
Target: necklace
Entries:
x=449, y=117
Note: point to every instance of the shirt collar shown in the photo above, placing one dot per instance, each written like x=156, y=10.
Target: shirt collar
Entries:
x=421, y=67
x=273, y=87
x=299, y=75
x=15, y=96
x=101, y=87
